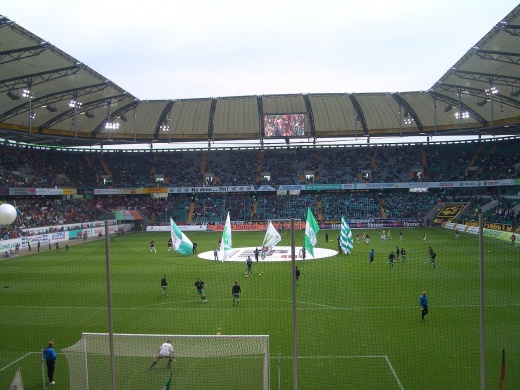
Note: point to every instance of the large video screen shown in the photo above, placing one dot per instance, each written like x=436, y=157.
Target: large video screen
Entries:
x=284, y=125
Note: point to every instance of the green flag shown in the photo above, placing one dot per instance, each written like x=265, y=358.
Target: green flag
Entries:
x=226, y=244
x=311, y=232
x=346, y=240
x=272, y=237
x=167, y=386
x=181, y=243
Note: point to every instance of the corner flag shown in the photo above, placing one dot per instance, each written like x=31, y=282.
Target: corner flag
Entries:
x=311, y=231
x=17, y=384
x=167, y=386
x=181, y=243
x=226, y=244
x=346, y=240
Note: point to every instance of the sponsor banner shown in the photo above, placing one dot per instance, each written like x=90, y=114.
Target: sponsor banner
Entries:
x=445, y=184
x=501, y=235
x=251, y=188
x=120, y=191
x=449, y=225
x=470, y=223
x=59, y=236
x=106, y=191
x=470, y=183
x=374, y=223
x=68, y=227
x=49, y=191
x=184, y=190
x=22, y=191
x=266, y=188
x=460, y=227
x=182, y=228
x=7, y=245
x=320, y=187
x=490, y=225
x=367, y=186
x=281, y=227
x=472, y=229
x=494, y=183
x=497, y=226
x=79, y=234
x=288, y=187
x=154, y=190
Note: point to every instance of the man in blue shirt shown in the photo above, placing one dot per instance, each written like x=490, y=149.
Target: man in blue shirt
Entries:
x=423, y=302
x=50, y=359
x=371, y=256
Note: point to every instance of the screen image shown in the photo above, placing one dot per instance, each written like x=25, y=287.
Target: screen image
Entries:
x=284, y=125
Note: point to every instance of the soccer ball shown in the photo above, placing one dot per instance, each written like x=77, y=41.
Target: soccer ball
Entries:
x=7, y=214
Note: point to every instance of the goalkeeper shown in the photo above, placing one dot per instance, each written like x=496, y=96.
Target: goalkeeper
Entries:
x=165, y=351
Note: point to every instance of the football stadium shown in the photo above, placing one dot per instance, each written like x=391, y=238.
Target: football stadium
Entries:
x=312, y=241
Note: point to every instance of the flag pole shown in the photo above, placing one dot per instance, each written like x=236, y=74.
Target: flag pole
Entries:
x=482, y=305
x=109, y=304
x=295, y=343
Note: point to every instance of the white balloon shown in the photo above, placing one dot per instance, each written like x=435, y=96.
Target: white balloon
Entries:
x=7, y=214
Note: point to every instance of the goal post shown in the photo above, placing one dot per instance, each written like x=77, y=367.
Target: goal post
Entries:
x=216, y=362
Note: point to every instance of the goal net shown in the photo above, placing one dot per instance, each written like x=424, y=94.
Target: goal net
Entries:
x=202, y=361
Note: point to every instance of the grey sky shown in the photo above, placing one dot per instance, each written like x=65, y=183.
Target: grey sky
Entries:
x=171, y=49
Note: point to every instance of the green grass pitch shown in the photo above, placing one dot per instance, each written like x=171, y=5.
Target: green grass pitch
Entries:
x=358, y=325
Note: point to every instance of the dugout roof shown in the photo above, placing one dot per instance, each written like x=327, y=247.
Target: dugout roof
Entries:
x=484, y=85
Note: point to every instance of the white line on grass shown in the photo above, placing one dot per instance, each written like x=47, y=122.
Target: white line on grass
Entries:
x=17, y=360
x=394, y=373
x=161, y=306
x=353, y=357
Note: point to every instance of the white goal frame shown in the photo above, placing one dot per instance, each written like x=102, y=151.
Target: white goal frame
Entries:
x=185, y=346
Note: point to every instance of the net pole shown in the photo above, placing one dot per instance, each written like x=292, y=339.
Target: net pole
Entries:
x=43, y=370
x=279, y=370
x=295, y=341
x=482, y=327
x=109, y=304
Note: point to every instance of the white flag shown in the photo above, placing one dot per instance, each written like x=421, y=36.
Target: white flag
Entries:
x=272, y=237
x=181, y=243
x=311, y=231
x=17, y=384
x=346, y=239
x=226, y=244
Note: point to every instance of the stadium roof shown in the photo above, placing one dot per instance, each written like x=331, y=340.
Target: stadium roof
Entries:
x=480, y=94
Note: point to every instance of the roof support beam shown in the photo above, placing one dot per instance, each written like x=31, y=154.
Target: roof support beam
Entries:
x=162, y=118
x=456, y=103
x=359, y=113
x=310, y=115
x=75, y=93
x=21, y=54
x=506, y=100
x=37, y=78
x=479, y=76
x=403, y=103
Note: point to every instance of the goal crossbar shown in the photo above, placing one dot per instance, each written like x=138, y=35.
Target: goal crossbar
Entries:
x=146, y=345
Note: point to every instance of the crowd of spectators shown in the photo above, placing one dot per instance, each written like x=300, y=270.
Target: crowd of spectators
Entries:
x=29, y=166
x=32, y=167
x=212, y=208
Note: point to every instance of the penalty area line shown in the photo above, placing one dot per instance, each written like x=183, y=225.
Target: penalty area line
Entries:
x=17, y=360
